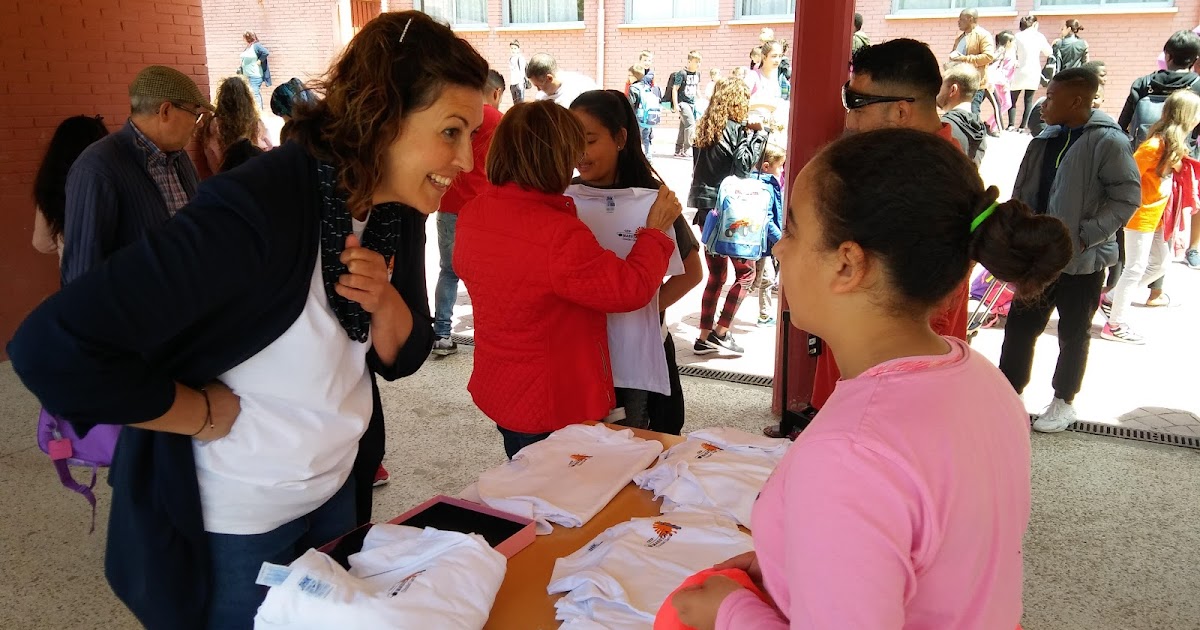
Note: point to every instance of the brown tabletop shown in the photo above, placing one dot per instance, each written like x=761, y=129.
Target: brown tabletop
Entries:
x=522, y=603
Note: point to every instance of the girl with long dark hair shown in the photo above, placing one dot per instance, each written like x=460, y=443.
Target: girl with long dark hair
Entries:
x=72, y=136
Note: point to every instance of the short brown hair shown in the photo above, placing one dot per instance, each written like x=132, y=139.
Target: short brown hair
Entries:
x=384, y=74
x=773, y=154
x=638, y=71
x=694, y=54
x=536, y=146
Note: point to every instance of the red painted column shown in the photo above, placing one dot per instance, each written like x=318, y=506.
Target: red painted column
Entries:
x=820, y=66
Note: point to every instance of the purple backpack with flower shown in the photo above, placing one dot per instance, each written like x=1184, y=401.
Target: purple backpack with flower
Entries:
x=58, y=439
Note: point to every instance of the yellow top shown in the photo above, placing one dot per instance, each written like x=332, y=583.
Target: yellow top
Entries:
x=1156, y=191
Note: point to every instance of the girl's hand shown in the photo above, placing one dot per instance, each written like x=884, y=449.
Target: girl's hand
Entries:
x=747, y=562
x=698, y=605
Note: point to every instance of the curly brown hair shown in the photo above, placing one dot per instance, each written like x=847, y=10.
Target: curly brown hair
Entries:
x=730, y=101
x=397, y=64
x=236, y=113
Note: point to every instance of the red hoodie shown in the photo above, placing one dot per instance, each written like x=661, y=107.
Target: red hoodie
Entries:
x=541, y=287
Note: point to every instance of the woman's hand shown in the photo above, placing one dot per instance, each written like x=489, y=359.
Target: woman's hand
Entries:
x=223, y=409
x=747, y=562
x=367, y=283
x=698, y=605
x=664, y=211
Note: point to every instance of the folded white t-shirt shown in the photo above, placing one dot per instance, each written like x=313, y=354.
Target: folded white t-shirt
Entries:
x=568, y=477
x=719, y=470
x=404, y=577
x=622, y=577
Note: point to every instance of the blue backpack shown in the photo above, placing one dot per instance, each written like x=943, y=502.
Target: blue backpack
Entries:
x=737, y=227
x=649, y=106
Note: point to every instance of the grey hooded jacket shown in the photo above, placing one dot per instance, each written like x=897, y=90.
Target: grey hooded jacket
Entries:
x=1095, y=192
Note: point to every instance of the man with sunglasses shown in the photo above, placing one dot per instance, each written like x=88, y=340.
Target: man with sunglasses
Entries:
x=893, y=84
x=136, y=178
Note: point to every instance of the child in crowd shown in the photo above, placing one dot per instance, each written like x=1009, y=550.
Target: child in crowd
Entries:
x=540, y=283
x=770, y=172
x=1147, y=253
x=714, y=75
x=611, y=161
x=1000, y=73
x=637, y=93
x=914, y=480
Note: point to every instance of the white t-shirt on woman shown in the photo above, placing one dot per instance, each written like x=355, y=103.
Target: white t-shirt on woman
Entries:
x=306, y=401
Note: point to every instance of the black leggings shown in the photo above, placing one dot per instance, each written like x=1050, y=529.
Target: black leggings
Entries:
x=1027, y=97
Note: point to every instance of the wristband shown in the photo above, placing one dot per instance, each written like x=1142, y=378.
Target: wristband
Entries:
x=208, y=423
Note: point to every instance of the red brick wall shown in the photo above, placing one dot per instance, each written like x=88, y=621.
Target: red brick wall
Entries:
x=59, y=58
x=1128, y=43
x=302, y=36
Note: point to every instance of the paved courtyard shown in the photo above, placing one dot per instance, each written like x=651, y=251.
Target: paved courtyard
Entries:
x=1138, y=387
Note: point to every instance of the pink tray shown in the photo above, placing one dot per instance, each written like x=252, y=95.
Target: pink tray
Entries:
x=509, y=547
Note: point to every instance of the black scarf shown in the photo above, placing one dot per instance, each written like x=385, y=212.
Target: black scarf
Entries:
x=379, y=236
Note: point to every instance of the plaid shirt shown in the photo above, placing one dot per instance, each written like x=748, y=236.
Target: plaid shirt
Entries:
x=164, y=170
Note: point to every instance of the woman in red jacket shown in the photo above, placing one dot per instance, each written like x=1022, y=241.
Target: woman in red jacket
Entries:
x=541, y=285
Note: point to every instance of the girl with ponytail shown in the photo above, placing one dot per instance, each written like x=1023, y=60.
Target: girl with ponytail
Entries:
x=905, y=502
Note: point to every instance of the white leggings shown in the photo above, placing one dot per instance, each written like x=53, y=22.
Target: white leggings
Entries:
x=1145, y=261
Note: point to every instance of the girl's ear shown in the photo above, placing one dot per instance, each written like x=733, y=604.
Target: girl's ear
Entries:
x=622, y=137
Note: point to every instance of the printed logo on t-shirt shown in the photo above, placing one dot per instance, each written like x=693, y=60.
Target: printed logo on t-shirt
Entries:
x=707, y=449
x=578, y=460
x=610, y=205
x=627, y=235
x=314, y=587
x=403, y=585
x=594, y=546
x=664, y=531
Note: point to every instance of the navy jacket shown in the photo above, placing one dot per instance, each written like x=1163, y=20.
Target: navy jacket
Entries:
x=112, y=200
x=197, y=296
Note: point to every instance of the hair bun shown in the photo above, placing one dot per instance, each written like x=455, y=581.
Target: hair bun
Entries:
x=1026, y=250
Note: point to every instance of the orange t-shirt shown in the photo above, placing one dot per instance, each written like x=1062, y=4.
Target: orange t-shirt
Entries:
x=1156, y=191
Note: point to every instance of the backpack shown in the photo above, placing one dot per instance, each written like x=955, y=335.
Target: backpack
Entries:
x=59, y=440
x=737, y=227
x=649, y=108
x=1148, y=111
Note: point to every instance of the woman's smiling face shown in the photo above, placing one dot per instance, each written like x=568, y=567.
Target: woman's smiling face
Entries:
x=432, y=149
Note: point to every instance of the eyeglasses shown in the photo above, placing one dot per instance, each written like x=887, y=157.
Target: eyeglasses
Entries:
x=197, y=114
x=852, y=100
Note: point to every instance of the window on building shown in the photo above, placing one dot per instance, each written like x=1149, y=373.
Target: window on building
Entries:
x=1112, y=4
x=542, y=11
x=948, y=5
x=456, y=11
x=765, y=8
x=646, y=11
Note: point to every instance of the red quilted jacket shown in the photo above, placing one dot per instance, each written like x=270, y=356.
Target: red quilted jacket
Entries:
x=540, y=287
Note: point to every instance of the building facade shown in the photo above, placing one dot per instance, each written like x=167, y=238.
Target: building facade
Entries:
x=602, y=38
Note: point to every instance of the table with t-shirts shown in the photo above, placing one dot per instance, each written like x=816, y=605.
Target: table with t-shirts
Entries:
x=522, y=601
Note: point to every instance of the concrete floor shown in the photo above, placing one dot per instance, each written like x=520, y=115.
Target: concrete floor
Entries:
x=1113, y=542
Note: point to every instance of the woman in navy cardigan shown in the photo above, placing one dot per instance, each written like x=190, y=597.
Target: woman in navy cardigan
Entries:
x=236, y=343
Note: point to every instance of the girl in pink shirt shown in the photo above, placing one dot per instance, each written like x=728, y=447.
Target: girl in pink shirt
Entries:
x=904, y=503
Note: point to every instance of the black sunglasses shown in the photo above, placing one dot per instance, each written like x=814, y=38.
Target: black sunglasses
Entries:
x=195, y=113
x=853, y=100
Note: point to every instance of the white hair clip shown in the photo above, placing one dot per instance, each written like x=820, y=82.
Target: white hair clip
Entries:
x=405, y=31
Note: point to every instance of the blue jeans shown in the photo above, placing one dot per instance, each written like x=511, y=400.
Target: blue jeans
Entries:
x=977, y=101
x=647, y=137
x=255, y=84
x=515, y=441
x=236, y=559
x=446, y=292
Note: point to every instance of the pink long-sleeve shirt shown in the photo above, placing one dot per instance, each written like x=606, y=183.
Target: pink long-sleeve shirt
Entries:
x=903, y=505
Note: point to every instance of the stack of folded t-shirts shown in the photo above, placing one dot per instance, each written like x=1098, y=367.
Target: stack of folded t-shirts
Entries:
x=404, y=577
x=620, y=579
x=719, y=470
x=568, y=477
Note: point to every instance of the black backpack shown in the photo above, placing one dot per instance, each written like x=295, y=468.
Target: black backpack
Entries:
x=1149, y=110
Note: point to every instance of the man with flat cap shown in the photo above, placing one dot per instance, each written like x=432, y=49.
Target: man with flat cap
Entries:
x=136, y=178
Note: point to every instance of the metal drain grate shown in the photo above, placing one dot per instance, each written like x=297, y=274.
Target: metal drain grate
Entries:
x=1141, y=435
x=729, y=377
x=463, y=340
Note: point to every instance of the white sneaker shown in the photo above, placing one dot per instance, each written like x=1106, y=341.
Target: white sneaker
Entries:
x=1056, y=418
